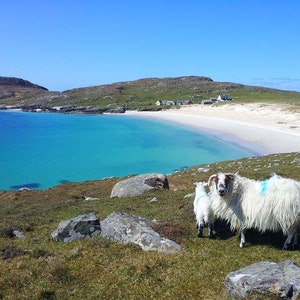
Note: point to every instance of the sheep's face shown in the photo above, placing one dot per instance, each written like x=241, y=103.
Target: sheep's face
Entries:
x=223, y=183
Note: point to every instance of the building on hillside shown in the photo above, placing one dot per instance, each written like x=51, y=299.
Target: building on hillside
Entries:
x=165, y=102
x=209, y=101
x=171, y=102
x=184, y=102
x=224, y=98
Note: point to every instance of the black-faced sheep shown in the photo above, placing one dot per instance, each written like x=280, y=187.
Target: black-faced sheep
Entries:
x=271, y=204
x=202, y=209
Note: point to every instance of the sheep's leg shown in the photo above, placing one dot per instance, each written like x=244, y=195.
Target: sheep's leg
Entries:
x=295, y=243
x=200, y=229
x=243, y=238
x=288, y=241
x=292, y=237
x=292, y=234
x=210, y=229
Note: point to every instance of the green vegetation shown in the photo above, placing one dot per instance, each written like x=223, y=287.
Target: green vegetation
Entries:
x=36, y=267
x=39, y=268
x=142, y=94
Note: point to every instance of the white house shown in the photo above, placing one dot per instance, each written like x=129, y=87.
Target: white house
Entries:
x=223, y=98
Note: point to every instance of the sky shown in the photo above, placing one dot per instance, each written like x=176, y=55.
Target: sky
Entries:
x=65, y=44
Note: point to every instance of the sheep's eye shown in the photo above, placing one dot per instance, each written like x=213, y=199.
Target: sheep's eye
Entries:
x=227, y=180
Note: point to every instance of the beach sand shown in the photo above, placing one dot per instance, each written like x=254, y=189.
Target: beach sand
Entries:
x=261, y=128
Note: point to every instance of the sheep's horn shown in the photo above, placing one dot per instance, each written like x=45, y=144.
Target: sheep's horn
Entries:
x=211, y=178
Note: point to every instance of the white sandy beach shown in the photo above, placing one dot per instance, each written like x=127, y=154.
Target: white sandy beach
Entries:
x=261, y=128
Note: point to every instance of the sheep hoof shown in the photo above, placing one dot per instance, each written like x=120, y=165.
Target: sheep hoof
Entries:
x=200, y=234
x=287, y=246
x=242, y=245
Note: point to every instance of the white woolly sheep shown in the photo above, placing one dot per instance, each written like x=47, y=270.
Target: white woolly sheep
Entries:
x=202, y=209
x=271, y=204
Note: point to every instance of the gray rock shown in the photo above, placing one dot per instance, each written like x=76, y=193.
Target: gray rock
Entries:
x=90, y=198
x=296, y=160
x=203, y=170
x=125, y=228
x=139, y=184
x=87, y=225
x=190, y=195
x=18, y=234
x=154, y=199
x=268, y=278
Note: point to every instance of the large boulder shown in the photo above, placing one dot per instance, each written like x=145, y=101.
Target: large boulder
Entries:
x=268, y=278
x=125, y=228
x=86, y=225
x=139, y=184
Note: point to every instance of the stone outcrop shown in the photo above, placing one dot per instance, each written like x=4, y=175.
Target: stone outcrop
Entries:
x=87, y=225
x=88, y=110
x=119, y=227
x=125, y=228
x=139, y=184
x=267, y=278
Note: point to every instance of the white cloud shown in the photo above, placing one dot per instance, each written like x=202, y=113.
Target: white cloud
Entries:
x=281, y=83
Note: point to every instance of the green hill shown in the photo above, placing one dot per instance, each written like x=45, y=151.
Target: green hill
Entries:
x=142, y=93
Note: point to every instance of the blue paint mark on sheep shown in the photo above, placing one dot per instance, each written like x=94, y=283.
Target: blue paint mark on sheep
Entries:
x=263, y=187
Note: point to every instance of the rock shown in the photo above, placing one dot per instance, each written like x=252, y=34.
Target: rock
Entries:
x=125, y=228
x=116, y=110
x=268, y=278
x=203, y=170
x=296, y=160
x=154, y=199
x=87, y=225
x=139, y=184
x=18, y=234
x=190, y=195
x=90, y=198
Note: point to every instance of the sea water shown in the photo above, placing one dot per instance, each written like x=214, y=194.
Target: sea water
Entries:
x=41, y=150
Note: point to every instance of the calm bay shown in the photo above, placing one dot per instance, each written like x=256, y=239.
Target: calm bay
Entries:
x=41, y=150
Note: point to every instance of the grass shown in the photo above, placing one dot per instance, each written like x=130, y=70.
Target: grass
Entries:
x=142, y=94
x=133, y=96
x=39, y=268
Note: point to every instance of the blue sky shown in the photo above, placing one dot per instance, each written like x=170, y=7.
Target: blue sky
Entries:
x=71, y=43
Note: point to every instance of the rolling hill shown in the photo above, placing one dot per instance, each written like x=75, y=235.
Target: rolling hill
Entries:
x=139, y=94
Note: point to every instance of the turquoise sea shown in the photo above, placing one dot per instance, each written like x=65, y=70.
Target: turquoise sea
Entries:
x=41, y=150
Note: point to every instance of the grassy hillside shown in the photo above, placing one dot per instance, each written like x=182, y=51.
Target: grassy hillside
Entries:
x=39, y=268
x=143, y=93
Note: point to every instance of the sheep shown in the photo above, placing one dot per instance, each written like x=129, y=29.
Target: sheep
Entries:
x=271, y=204
x=202, y=209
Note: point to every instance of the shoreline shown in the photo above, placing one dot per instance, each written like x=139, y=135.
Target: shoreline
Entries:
x=260, y=128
